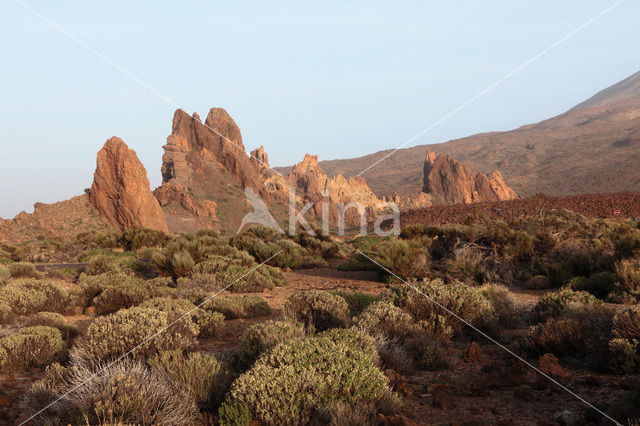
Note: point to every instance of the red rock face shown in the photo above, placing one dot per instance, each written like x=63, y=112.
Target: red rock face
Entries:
x=448, y=181
x=120, y=190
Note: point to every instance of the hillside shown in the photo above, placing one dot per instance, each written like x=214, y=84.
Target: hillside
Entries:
x=594, y=147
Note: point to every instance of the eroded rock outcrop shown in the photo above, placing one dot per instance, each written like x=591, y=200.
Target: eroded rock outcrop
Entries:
x=120, y=190
x=449, y=181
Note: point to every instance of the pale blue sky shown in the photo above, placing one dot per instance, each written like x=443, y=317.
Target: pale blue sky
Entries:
x=338, y=79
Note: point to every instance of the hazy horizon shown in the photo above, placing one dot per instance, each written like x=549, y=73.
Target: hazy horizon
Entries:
x=337, y=80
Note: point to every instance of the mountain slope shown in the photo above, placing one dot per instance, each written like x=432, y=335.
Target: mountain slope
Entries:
x=594, y=147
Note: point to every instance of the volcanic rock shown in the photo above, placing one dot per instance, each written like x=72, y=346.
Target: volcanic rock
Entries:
x=120, y=190
x=449, y=181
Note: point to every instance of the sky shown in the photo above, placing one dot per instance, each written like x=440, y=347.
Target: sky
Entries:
x=333, y=78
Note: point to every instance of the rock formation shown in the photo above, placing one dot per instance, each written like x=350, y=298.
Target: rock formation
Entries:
x=120, y=190
x=259, y=155
x=448, y=181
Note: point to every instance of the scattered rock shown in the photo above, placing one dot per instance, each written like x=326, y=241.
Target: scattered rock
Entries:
x=442, y=398
x=566, y=417
x=548, y=364
x=473, y=353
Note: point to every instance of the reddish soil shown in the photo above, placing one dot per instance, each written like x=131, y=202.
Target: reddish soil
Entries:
x=589, y=205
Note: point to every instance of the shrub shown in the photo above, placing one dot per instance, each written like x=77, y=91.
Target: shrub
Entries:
x=6, y=313
x=552, y=305
x=427, y=353
x=138, y=237
x=203, y=375
x=182, y=264
x=466, y=302
x=114, y=335
x=124, y=393
x=209, y=323
x=4, y=275
x=629, y=272
x=121, y=296
x=317, y=309
x=599, y=284
x=104, y=263
x=296, y=379
x=538, y=282
x=219, y=272
x=582, y=332
x=239, y=306
x=626, y=324
x=261, y=337
x=55, y=320
x=502, y=303
x=356, y=300
x=23, y=270
x=386, y=320
x=28, y=296
x=30, y=347
x=358, y=262
x=625, y=356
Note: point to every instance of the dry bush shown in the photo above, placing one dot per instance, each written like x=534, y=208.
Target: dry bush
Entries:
x=427, y=352
x=538, y=282
x=504, y=307
x=468, y=263
x=124, y=393
x=55, y=320
x=29, y=296
x=582, y=331
x=629, y=272
x=239, y=306
x=122, y=296
x=6, y=313
x=114, y=335
x=139, y=237
x=599, y=284
x=626, y=324
x=261, y=337
x=297, y=380
x=393, y=355
x=318, y=310
x=203, y=375
x=29, y=347
x=356, y=300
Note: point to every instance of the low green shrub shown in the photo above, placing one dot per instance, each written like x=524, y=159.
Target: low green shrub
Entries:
x=625, y=356
x=455, y=297
x=29, y=296
x=386, y=320
x=553, y=305
x=202, y=374
x=299, y=378
x=261, y=337
x=239, y=306
x=356, y=300
x=55, y=320
x=599, y=284
x=23, y=270
x=111, y=336
x=317, y=310
x=209, y=323
x=30, y=347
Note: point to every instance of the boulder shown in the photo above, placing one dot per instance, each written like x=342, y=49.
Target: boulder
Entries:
x=120, y=191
